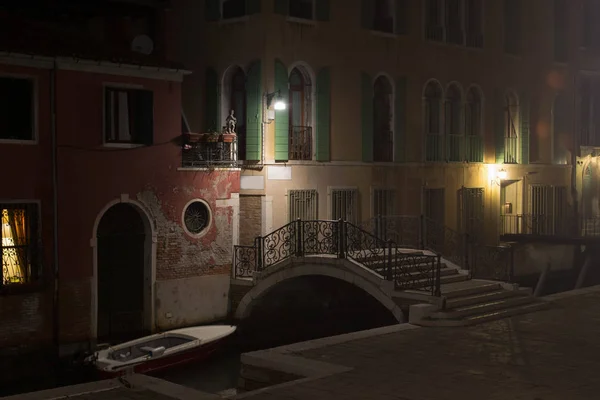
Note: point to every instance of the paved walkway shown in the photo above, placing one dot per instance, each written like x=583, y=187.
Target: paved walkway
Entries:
x=547, y=355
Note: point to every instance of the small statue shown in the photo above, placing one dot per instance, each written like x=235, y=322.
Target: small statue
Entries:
x=230, y=123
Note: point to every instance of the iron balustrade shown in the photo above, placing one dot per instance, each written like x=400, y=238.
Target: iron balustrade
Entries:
x=454, y=150
x=474, y=148
x=564, y=225
x=434, y=148
x=210, y=154
x=340, y=239
x=493, y=262
x=512, y=150
x=300, y=143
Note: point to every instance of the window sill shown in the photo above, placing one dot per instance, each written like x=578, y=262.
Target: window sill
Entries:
x=18, y=141
x=383, y=34
x=123, y=145
x=232, y=21
x=301, y=21
x=21, y=288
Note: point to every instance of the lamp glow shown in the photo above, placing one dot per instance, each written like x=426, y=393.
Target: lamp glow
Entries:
x=279, y=104
x=502, y=174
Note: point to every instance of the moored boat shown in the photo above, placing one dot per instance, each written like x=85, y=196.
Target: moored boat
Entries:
x=160, y=351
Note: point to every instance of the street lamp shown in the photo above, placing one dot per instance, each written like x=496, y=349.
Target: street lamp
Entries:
x=277, y=101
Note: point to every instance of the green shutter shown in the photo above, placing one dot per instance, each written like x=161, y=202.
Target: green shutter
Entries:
x=212, y=10
x=524, y=117
x=323, y=114
x=400, y=121
x=254, y=112
x=367, y=117
x=402, y=19
x=282, y=7
x=144, y=116
x=282, y=117
x=323, y=10
x=211, y=110
x=499, y=122
x=367, y=14
x=252, y=7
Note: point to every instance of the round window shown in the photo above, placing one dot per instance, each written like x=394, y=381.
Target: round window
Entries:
x=196, y=217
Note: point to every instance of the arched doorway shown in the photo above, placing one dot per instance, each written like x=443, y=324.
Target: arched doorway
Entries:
x=122, y=274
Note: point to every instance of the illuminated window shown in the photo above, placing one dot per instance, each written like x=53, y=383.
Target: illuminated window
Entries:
x=19, y=243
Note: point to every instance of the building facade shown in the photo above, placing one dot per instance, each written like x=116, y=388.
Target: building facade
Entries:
x=465, y=111
x=105, y=234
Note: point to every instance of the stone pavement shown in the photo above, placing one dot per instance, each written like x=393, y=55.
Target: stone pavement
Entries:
x=547, y=355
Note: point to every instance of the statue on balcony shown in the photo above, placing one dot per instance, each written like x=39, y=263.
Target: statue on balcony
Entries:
x=230, y=123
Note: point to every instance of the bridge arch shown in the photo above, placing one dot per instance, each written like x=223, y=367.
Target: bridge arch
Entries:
x=344, y=270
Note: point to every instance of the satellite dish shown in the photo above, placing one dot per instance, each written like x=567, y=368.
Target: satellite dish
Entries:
x=142, y=44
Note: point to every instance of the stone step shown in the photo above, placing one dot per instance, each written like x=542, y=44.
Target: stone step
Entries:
x=482, y=308
x=471, y=290
x=479, y=298
x=486, y=317
x=383, y=264
x=411, y=275
x=443, y=280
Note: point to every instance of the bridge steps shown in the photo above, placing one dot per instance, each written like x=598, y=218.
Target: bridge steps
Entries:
x=479, y=302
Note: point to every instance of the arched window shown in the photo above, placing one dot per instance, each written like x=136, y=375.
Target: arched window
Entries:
x=433, y=107
x=452, y=120
x=474, y=125
x=234, y=98
x=300, y=107
x=383, y=149
x=512, y=147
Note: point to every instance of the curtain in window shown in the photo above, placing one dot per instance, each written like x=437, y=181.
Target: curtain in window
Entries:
x=14, y=246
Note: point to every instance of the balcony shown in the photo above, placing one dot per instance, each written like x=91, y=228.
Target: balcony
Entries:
x=300, y=144
x=209, y=150
x=454, y=150
x=560, y=226
x=512, y=150
x=383, y=146
x=474, y=148
x=434, y=148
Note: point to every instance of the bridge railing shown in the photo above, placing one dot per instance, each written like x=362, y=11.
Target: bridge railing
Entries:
x=340, y=239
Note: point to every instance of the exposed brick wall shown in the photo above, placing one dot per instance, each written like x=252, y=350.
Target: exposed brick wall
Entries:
x=75, y=311
x=250, y=219
x=26, y=319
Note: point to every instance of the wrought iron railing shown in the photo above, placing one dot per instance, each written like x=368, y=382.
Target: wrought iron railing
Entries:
x=300, y=144
x=512, y=150
x=493, y=262
x=434, y=150
x=210, y=154
x=341, y=239
x=564, y=225
x=454, y=150
x=474, y=148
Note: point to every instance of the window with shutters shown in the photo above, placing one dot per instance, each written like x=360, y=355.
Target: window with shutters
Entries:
x=16, y=109
x=474, y=125
x=383, y=202
x=457, y=22
x=512, y=26
x=434, y=204
x=128, y=116
x=344, y=204
x=303, y=9
x=383, y=16
x=233, y=97
x=512, y=143
x=383, y=135
x=303, y=204
x=300, y=115
x=561, y=42
x=432, y=114
x=233, y=9
x=547, y=210
x=453, y=124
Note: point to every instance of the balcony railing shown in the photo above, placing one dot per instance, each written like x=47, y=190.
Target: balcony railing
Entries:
x=300, y=144
x=434, y=148
x=474, y=148
x=512, y=150
x=383, y=147
x=209, y=150
x=542, y=225
x=454, y=150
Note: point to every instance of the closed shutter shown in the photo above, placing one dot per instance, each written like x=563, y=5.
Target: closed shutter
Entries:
x=401, y=22
x=282, y=7
x=253, y=7
x=524, y=117
x=254, y=112
x=400, y=120
x=212, y=10
x=323, y=8
x=144, y=116
x=282, y=119
x=367, y=14
x=499, y=106
x=367, y=117
x=323, y=138
x=211, y=101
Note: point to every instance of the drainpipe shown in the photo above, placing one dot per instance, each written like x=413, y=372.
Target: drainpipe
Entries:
x=574, y=152
x=56, y=320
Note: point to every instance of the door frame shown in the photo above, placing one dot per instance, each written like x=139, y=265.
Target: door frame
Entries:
x=150, y=245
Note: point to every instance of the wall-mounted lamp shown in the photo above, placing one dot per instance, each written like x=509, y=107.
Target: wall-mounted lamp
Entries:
x=500, y=176
x=276, y=100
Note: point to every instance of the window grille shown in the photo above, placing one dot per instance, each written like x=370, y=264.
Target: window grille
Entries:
x=344, y=205
x=383, y=202
x=303, y=204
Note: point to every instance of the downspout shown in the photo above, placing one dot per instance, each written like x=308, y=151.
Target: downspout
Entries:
x=56, y=319
x=574, y=153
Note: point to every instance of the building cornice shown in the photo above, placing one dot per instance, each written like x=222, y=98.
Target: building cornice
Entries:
x=98, y=67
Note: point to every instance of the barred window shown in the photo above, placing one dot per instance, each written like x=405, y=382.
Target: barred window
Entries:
x=303, y=204
x=19, y=234
x=344, y=205
x=384, y=202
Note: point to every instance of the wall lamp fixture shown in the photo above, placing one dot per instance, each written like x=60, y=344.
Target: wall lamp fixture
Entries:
x=500, y=176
